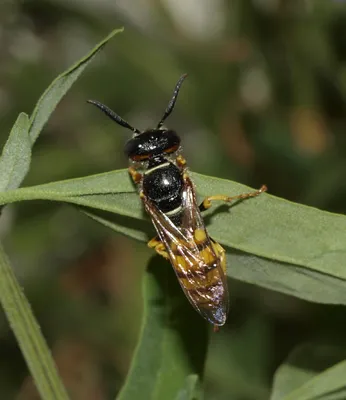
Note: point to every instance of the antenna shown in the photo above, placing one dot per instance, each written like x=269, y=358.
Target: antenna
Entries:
x=171, y=103
x=112, y=115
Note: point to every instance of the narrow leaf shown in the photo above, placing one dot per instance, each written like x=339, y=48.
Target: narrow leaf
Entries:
x=91, y=188
x=58, y=88
x=270, y=242
x=134, y=228
x=312, y=371
x=28, y=334
x=191, y=389
x=167, y=351
x=16, y=155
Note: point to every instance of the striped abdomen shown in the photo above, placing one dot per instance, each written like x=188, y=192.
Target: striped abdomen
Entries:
x=202, y=275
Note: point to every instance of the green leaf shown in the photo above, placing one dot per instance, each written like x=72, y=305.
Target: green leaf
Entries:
x=88, y=191
x=191, y=389
x=28, y=334
x=312, y=371
x=58, y=88
x=237, y=362
x=134, y=228
x=16, y=155
x=167, y=351
x=14, y=164
x=270, y=242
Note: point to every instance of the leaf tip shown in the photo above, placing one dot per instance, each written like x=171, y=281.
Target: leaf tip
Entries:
x=112, y=33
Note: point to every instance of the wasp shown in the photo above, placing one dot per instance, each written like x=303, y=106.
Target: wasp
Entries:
x=160, y=172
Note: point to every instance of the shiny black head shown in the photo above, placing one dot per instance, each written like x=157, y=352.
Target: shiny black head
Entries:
x=152, y=142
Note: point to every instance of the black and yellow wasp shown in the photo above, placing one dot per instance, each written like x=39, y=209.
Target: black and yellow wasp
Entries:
x=168, y=195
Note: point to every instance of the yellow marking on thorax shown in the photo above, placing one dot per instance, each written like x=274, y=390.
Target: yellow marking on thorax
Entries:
x=163, y=165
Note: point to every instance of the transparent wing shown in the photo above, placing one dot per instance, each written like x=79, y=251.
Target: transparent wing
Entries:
x=196, y=259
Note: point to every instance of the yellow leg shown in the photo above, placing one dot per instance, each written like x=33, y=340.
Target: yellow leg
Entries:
x=181, y=162
x=207, y=201
x=154, y=242
x=158, y=246
x=135, y=175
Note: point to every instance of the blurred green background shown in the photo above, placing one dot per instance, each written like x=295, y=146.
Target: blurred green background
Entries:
x=264, y=103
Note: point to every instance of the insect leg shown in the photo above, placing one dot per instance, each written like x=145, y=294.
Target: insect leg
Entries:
x=135, y=175
x=156, y=244
x=181, y=162
x=206, y=203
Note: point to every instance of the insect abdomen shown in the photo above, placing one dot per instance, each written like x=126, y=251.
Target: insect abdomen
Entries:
x=203, y=282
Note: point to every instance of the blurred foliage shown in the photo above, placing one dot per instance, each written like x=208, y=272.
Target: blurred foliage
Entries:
x=264, y=103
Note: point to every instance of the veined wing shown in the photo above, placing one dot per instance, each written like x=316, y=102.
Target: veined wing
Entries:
x=196, y=259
